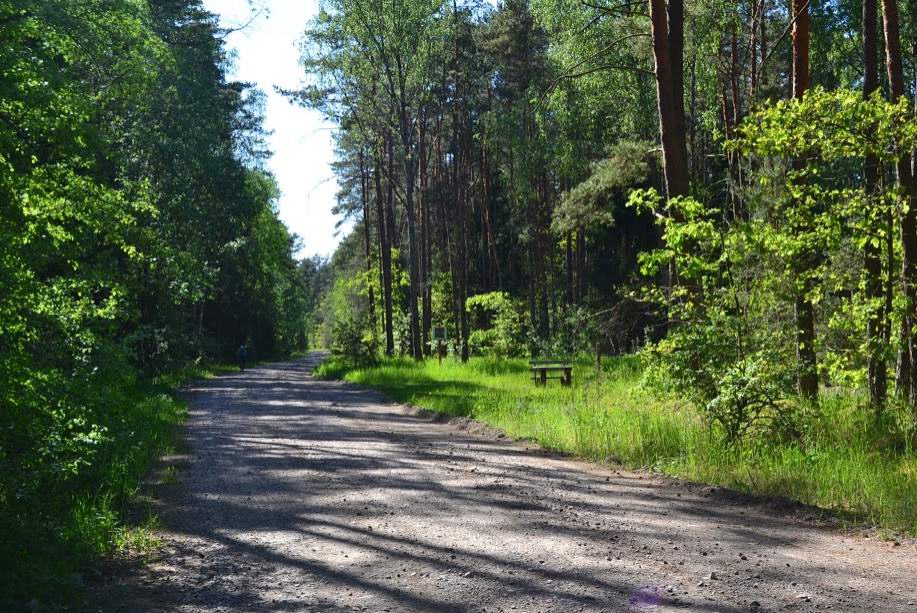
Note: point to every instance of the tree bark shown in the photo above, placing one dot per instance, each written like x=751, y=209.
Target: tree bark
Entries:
x=807, y=376
x=428, y=284
x=667, y=29
x=493, y=276
x=367, y=245
x=753, y=51
x=413, y=256
x=386, y=255
x=410, y=177
x=423, y=207
x=904, y=171
x=876, y=368
x=463, y=261
x=568, y=267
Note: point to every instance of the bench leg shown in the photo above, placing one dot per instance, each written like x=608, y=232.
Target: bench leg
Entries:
x=568, y=377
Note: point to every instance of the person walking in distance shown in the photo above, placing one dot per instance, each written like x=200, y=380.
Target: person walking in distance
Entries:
x=243, y=356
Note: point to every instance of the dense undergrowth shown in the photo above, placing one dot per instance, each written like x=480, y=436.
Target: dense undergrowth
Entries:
x=839, y=459
x=47, y=545
x=139, y=230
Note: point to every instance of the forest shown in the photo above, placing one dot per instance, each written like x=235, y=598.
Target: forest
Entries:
x=726, y=189
x=709, y=208
x=139, y=242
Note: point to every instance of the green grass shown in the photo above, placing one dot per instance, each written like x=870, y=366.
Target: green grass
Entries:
x=842, y=462
x=97, y=515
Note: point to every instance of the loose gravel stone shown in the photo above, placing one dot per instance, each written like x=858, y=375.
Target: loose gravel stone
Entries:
x=303, y=495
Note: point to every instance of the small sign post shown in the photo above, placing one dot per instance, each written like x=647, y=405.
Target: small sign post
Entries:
x=440, y=337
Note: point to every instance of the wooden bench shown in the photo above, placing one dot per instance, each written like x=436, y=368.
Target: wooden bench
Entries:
x=551, y=368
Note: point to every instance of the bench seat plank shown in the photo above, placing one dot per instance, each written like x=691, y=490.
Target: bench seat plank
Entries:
x=554, y=368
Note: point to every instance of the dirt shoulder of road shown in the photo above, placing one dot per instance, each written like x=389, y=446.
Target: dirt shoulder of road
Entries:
x=779, y=506
x=297, y=494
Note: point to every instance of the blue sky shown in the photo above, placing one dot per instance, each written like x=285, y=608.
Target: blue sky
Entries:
x=268, y=55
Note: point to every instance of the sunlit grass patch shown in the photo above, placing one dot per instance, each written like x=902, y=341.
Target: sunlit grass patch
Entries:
x=841, y=460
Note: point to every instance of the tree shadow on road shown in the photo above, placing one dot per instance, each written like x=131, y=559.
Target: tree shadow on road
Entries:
x=317, y=496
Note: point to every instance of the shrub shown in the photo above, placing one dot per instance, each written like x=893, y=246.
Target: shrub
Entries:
x=498, y=327
x=740, y=392
x=353, y=341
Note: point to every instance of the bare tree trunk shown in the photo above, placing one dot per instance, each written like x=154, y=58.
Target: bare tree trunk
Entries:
x=906, y=379
x=449, y=212
x=542, y=251
x=876, y=368
x=410, y=167
x=753, y=51
x=367, y=245
x=423, y=206
x=580, y=266
x=736, y=94
x=762, y=77
x=386, y=255
x=463, y=261
x=390, y=221
x=428, y=284
x=807, y=376
x=676, y=15
x=667, y=29
x=493, y=268
x=568, y=267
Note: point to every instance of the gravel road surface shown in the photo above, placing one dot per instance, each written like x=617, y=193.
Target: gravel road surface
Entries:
x=305, y=495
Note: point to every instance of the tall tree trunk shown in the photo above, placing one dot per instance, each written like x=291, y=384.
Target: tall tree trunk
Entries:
x=735, y=167
x=410, y=166
x=753, y=51
x=876, y=368
x=367, y=245
x=487, y=185
x=463, y=260
x=425, y=273
x=676, y=14
x=386, y=255
x=428, y=284
x=390, y=221
x=448, y=200
x=542, y=246
x=906, y=379
x=762, y=76
x=807, y=376
x=667, y=28
x=568, y=267
x=580, y=266
x=693, y=159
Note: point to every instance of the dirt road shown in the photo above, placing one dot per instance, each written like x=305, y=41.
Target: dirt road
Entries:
x=306, y=495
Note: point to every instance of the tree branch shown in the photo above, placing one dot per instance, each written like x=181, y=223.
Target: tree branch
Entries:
x=566, y=73
x=785, y=32
x=617, y=9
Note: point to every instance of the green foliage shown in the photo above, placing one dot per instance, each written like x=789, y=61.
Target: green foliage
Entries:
x=732, y=343
x=498, y=328
x=590, y=204
x=137, y=233
x=353, y=343
x=574, y=332
x=827, y=126
x=88, y=476
x=344, y=305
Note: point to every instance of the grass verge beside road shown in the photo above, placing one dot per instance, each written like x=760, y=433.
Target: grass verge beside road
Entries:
x=93, y=515
x=839, y=462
